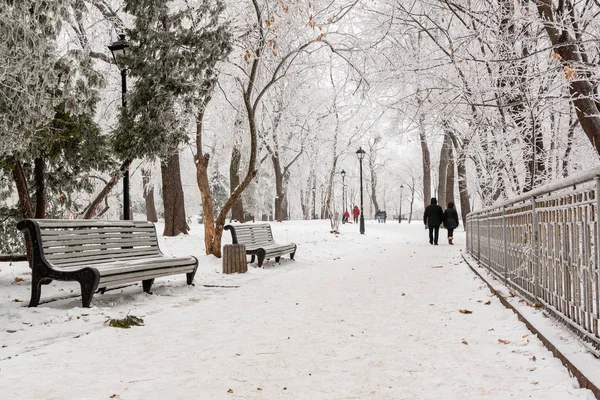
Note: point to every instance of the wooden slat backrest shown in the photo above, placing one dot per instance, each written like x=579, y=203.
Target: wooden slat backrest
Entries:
x=254, y=234
x=70, y=242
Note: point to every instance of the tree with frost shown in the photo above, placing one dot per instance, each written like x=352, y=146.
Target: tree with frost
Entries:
x=174, y=49
x=48, y=101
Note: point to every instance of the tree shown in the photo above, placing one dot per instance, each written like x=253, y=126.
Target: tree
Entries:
x=173, y=53
x=51, y=100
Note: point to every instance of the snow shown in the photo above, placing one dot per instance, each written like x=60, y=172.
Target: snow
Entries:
x=372, y=316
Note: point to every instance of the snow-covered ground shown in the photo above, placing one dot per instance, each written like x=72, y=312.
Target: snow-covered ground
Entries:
x=372, y=316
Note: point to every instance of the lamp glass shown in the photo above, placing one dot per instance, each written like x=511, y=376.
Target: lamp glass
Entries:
x=360, y=153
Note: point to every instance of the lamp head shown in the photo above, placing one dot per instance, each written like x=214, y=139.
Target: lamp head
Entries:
x=360, y=153
x=118, y=49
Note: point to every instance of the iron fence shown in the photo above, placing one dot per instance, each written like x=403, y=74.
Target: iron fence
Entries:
x=545, y=245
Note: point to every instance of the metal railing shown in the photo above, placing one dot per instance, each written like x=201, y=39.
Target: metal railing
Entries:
x=545, y=245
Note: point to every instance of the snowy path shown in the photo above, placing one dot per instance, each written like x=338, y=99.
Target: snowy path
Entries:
x=355, y=317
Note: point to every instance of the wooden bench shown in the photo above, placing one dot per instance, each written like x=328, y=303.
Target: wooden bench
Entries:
x=259, y=242
x=98, y=254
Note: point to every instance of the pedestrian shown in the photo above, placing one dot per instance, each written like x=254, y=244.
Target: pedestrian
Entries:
x=384, y=214
x=433, y=218
x=451, y=221
x=379, y=216
x=355, y=213
x=346, y=216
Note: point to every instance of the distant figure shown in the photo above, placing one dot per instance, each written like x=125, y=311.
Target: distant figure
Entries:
x=379, y=216
x=384, y=215
x=451, y=221
x=356, y=213
x=345, y=217
x=433, y=218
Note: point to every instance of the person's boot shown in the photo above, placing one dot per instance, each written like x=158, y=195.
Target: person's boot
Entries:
x=450, y=240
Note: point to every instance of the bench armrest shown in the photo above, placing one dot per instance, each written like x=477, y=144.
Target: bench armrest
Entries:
x=231, y=228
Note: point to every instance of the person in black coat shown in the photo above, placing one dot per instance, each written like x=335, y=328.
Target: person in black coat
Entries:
x=451, y=221
x=433, y=218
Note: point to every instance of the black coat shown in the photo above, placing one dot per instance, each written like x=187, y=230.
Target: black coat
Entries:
x=433, y=215
x=451, y=218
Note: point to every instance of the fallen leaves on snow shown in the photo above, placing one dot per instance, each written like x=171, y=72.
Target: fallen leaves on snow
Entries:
x=438, y=266
x=18, y=280
x=465, y=311
x=503, y=341
x=487, y=303
x=464, y=342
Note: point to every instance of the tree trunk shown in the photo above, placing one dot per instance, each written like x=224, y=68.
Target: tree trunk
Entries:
x=465, y=206
x=22, y=190
x=279, y=192
x=39, y=171
x=570, y=55
x=450, y=175
x=24, y=203
x=237, y=210
x=205, y=195
x=426, y=163
x=92, y=209
x=173, y=200
x=443, y=170
x=149, y=196
x=412, y=199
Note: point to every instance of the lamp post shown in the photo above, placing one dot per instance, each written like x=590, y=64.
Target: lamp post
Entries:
x=400, y=212
x=360, y=153
x=118, y=49
x=343, y=173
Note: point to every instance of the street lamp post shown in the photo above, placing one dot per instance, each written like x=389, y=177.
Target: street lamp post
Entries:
x=118, y=49
x=400, y=213
x=360, y=153
x=343, y=173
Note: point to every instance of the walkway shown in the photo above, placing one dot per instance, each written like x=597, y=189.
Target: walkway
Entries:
x=355, y=317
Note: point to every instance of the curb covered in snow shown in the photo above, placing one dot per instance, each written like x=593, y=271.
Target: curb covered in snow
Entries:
x=575, y=367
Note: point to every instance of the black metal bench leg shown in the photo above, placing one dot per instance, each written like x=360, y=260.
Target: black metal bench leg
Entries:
x=190, y=276
x=252, y=256
x=36, y=290
x=261, y=258
x=147, y=285
x=88, y=280
x=277, y=259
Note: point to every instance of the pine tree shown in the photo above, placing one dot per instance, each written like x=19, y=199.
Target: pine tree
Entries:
x=173, y=50
x=51, y=142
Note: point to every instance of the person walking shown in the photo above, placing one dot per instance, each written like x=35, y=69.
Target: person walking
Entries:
x=346, y=216
x=356, y=213
x=384, y=214
x=451, y=221
x=379, y=216
x=433, y=218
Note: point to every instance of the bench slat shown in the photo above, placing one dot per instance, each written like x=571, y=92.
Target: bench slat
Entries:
x=93, y=239
x=115, y=280
x=122, y=267
x=90, y=248
x=89, y=231
x=95, y=223
x=58, y=259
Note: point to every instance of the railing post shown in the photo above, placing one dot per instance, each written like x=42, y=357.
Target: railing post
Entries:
x=534, y=244
x=489, y=241
x=505, y=245
x=478, y=241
